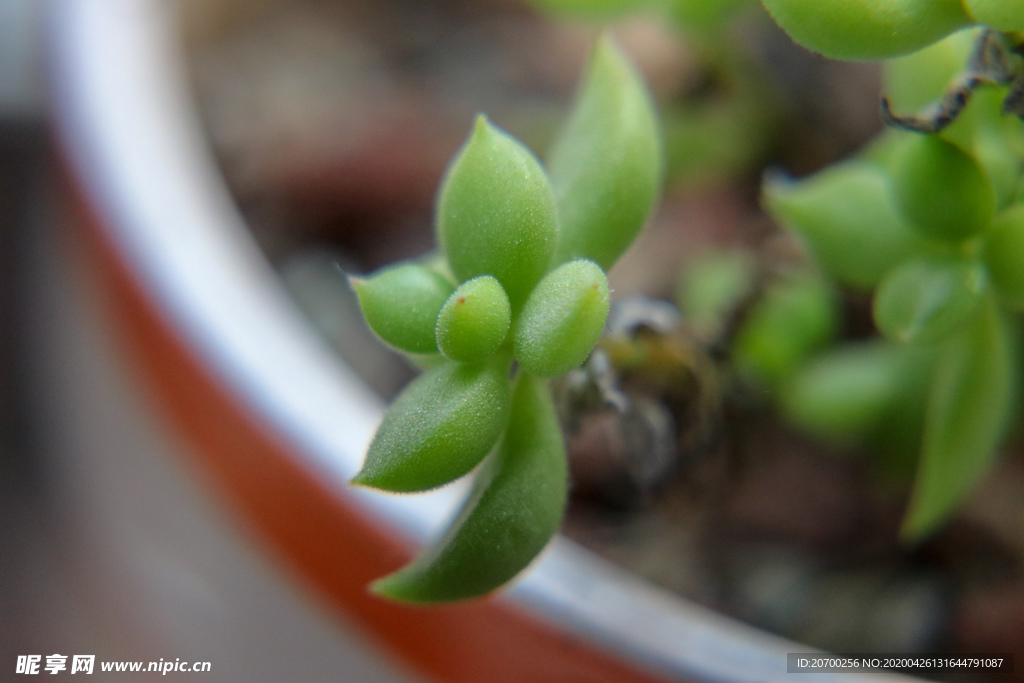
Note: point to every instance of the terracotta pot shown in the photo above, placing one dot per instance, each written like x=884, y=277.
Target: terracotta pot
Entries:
x=272, y=425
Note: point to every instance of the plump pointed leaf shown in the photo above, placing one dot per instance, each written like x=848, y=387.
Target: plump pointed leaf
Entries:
x=562, y=319
x=474, y=321
x=606, y=165
x=847, y=217
x=941, y=190
x=439, y=428
x=864, y=30
x=401, y=304
x=927, y=299
x=515, y=508
x=969, y=409
x=496, y=213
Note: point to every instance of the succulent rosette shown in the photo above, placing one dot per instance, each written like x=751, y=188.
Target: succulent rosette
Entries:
x=520, y=295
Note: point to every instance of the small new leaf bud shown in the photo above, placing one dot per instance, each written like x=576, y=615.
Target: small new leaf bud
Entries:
x=474, y=321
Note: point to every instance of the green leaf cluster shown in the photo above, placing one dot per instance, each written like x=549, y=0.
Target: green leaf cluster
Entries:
x=865, y=30
x=934, y=226
x=518, y=295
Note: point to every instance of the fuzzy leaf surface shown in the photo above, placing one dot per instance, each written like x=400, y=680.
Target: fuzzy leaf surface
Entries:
x=401, y=304
x=496, y=213
x=439, y=428
x=474, y=321
x=563, y=319
x=606, y=166
x=515, y=508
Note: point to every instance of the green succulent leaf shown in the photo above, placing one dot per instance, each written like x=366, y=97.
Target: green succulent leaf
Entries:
x=928, y=298
x=1004, y=256
x=968, y=412
x=865, y=30
x=941, y=190
x=1002, y=15
x=439, y=428
x=496, y=213
x=515, y=508
x=474, y=321
x=845, y=394
x=562, y=319
x=847, y=217
x=401, y=304
x=796, y=317
x=606, y=166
